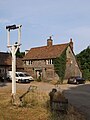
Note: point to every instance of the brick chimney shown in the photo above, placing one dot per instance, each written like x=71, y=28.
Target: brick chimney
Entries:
x=49, y=41
x=71, y=43
x=26, y=51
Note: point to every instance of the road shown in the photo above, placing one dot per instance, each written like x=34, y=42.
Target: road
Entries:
x=79, y=96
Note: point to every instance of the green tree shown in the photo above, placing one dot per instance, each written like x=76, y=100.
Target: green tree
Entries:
x=18, y=53
x=84, y=61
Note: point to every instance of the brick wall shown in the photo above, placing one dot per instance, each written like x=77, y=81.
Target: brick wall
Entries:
x=47, y=71
x=72, y=68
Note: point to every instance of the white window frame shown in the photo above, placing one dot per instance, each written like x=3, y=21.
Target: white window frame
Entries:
x=49, y=62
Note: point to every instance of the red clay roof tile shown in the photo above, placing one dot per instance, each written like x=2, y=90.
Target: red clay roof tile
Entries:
x=45, y=52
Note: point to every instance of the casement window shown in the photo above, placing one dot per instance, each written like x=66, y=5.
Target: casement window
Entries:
x=46, y=62
x=24, y=62
x=28, y=62
x=49, y=62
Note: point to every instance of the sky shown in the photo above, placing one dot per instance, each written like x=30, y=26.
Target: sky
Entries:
x=61, y=19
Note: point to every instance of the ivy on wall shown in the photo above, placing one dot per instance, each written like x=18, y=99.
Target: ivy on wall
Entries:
x=60, y=65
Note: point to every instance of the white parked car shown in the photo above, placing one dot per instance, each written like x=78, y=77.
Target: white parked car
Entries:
x=21, y=77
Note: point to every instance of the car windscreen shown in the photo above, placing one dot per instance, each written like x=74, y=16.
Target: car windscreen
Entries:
x=26, y=74
x=16, y=75
x=78, y=77
x=21, y=75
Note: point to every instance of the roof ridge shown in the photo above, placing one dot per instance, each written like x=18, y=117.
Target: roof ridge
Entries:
x=50, y=46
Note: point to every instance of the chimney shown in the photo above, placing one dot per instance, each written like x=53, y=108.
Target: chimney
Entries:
x=71, y=44
x=49, y=41
x=26, y=51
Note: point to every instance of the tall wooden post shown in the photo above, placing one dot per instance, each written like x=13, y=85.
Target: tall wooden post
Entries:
x=13, y=49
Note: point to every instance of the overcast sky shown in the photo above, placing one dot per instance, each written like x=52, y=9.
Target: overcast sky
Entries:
x=63, y=19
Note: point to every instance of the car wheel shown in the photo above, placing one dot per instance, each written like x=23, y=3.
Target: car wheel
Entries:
x=77, y=82
x=84, y=82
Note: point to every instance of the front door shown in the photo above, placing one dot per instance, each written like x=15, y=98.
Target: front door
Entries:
x=39, y=74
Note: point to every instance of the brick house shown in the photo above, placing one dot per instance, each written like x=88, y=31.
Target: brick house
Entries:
x=6, y=64
x=39, y=61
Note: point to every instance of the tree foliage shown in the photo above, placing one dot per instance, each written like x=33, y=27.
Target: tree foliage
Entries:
x=20, y=54
x=84, y=62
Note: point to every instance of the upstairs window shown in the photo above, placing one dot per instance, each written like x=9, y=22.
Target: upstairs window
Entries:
x=49, y=62
x=28, y=62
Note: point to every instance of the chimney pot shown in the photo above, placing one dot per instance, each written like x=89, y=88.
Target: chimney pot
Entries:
x=26, y=51
x=49, y=41
x=71, y=43
x=70, y=39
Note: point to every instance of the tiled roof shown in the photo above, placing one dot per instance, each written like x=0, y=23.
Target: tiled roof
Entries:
x=45, y=52
x=5, y=58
